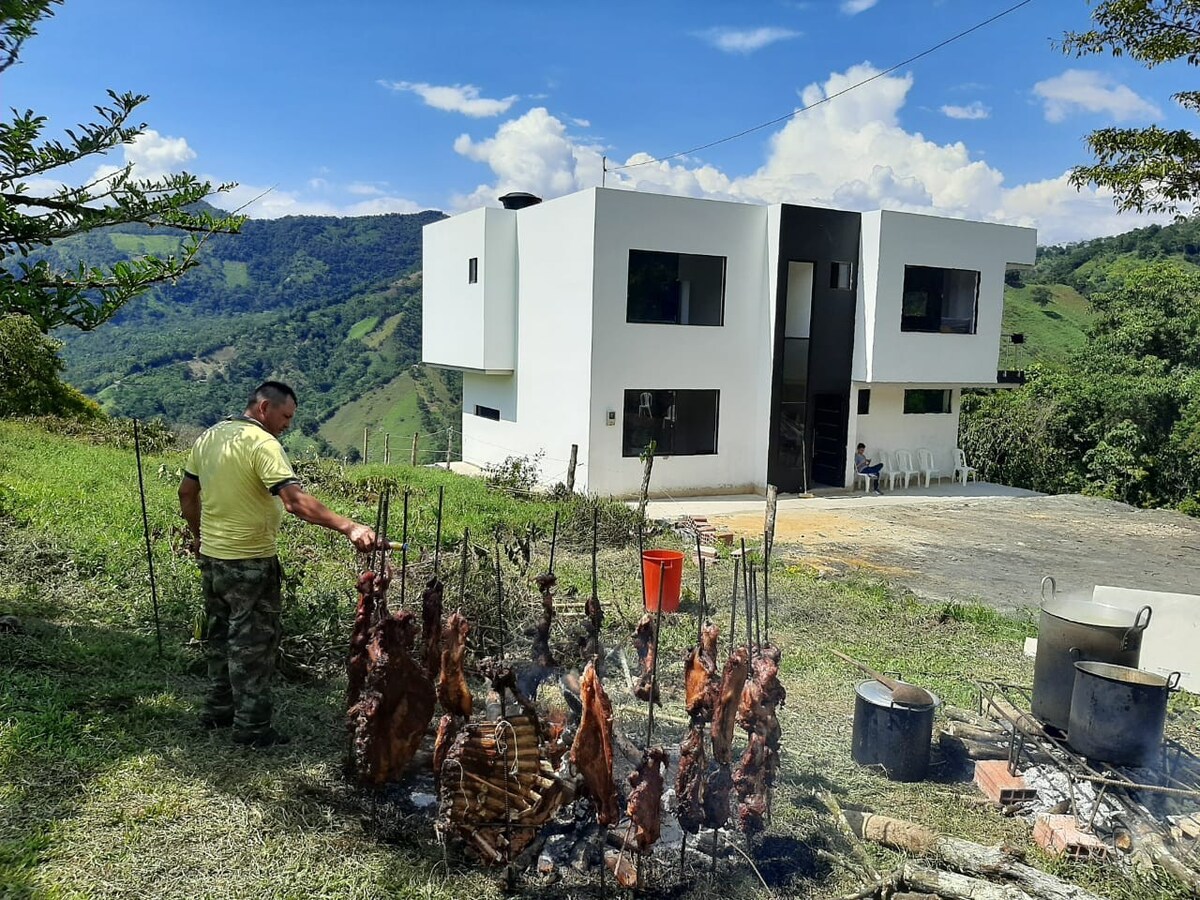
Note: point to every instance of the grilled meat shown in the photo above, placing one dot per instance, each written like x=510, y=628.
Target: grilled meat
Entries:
x=452, y=688
x=752, y=782
x=431, y=630
x=447, y=730
x=595, y=618
x=541, y=656
x=592, y=751
x=717, y=786
x=761, y=696
x=689, y=783
x=394, y=706
x=700, y=679
x=645, y=800
x=646, y=644
x=733, y=679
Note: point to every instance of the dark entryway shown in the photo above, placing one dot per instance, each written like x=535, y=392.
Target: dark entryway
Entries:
x=829, y=439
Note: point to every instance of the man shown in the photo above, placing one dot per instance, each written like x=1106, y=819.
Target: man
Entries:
x=236, y=483
x=862, y=465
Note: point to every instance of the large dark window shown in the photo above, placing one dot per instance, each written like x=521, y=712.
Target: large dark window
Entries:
x=681, y=423
x=676, y=288
x=923, y=400
x=943, y=301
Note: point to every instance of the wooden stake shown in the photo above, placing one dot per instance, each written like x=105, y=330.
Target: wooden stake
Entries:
x=645, y=495
x=366, y=442
x=413, y=458
x=137, y=446
x=571, y=468
x=387, y=448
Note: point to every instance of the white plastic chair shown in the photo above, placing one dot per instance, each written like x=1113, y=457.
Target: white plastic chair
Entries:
x=889, y=469
x=904, y=467
x=927, y=466
x=865, y=478
x=961, y=470
x=645, y=404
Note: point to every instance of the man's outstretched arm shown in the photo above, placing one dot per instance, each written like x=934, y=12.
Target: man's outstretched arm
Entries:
x=305, y=506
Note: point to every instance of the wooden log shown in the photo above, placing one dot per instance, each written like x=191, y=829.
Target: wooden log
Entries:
x=966, y=856
x=975, y=733
x=951, y=743
x=952, y=886
x=843, y=824
x=958, y=714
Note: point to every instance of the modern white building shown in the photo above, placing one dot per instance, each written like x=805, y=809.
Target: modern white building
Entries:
x=753, y=344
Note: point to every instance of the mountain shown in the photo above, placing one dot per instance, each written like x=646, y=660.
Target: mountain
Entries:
x=330, y=305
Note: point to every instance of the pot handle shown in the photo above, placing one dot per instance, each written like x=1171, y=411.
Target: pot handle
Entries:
x=1053, y=587
x=1075, y=653
x=1137, y=627
x=1173, y=681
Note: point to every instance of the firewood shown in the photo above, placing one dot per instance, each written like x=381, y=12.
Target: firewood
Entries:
x=957, y=714
x=966, y=856
x=953, y=744
x=952, y=886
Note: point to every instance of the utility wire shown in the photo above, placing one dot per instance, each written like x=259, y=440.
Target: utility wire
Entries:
x=796, y=112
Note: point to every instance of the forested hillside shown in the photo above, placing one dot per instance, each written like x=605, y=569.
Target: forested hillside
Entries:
x=1112, y=350
x=333, y=306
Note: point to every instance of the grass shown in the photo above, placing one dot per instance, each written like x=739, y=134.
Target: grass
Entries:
x=141, y=244
x=237, y=274
x=108, y=788
x=1053, y=328
x=391, y=409
x=362, y=328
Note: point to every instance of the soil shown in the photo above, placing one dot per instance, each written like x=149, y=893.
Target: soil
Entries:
x=995, y=550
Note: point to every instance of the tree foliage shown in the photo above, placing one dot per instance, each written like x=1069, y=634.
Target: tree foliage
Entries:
x=84, y=295
x=29, y=375
x=1148, y=169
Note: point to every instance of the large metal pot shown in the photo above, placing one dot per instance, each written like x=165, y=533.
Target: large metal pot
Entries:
x=1071, y=631
x=892, y=735
x=1118, y=713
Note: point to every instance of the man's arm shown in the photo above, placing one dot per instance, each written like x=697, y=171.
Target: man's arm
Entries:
x=189, y=506
x=305, y=506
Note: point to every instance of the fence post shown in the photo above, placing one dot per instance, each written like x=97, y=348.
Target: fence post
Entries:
x=366, y=441
x=449, y=444
x=387, y=448
x=571, y=469
x=413, y=461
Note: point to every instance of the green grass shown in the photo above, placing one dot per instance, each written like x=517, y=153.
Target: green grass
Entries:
x=362, y=328
x=1052, y=330
x=376, y=339
x=108, y=789
x=237, y=274
x=393, y=409
x=141, y=244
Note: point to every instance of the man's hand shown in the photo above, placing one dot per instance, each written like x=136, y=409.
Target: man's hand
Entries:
x=362, y=537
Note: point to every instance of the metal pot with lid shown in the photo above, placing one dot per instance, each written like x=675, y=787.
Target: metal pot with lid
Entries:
x=1072, y=630
x=895, y=736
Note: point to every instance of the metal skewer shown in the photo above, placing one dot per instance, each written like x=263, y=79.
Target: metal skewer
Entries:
x=437, y=541
x=404, y=550
x=137, y=447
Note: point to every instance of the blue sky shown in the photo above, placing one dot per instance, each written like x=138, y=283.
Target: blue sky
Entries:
x=370, y=106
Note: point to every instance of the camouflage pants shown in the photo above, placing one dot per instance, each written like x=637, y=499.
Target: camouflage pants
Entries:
x=241, y=605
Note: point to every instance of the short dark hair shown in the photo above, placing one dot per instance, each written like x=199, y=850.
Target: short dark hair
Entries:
x=275, y=392
x=861, y=447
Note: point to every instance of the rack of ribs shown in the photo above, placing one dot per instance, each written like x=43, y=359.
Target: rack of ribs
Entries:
x=592, y=751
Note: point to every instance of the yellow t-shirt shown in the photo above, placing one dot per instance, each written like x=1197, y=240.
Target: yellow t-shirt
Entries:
x=241, y=467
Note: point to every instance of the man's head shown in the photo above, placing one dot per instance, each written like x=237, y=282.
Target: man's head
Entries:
x=272, y=405
x=861, y=448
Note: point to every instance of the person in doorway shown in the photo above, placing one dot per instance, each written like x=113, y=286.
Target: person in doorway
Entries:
x=236, y=483
x=862, y=465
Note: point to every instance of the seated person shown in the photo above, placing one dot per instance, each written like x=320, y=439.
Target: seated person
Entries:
x=862, y=465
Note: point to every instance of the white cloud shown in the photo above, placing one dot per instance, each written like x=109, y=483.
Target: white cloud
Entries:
x=854, y=7
x=460, y=98
x=580, y=123
x=745, y=40
x=364, y=189
x=1079, y=90
x=851, y=153
x=273, y=202
x=154, y=155
x=973, y=110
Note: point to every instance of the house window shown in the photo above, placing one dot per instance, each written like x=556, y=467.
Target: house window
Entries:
x=675, y=288
x=487, y=412
x=473, y=270
x=942, y=301
x=922, y=400
x=864, y=401
x=841, y=276
x=681, y=423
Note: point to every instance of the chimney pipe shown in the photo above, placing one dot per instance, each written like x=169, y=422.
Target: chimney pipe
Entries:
x=519, y=200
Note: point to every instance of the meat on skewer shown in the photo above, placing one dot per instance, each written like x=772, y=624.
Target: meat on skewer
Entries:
x=645, y=800
x=756, y=773
x=595, y=618
x=431, y=626
x=717, y=786
x=644, y=642
x=752, y=781
x=452, y=689
x=447, y=731
x=592, y=751
x=394, y=706
x=689, y=783
x=700, y=679
x=733, y=679
x=542, y=657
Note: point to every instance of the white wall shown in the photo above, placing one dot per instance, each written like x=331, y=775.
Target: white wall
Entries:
x=887, y=427
x=733, y=358
x=892, y=240
x=463, y=325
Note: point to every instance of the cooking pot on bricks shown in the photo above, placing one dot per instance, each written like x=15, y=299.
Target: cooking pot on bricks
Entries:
x=1118, y=713
x=892, y=735
x=1070, y=631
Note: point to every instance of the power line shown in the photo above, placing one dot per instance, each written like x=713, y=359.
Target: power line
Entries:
x=796, y=112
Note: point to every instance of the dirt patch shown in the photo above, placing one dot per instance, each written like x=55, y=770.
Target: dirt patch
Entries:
x=992, y=549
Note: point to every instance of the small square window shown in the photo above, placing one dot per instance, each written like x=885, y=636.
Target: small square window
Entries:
x=487, y=412
x=864, y=401
x=841, y=276
x=473, y=270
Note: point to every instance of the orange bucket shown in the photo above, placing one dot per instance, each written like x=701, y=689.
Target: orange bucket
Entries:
x=668, y=564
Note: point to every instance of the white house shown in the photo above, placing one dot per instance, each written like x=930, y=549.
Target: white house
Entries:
x=752, y=344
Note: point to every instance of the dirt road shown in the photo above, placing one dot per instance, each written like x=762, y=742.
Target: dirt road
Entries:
x=993, y=549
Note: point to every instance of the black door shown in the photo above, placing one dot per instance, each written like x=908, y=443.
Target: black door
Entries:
x=829, y=439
